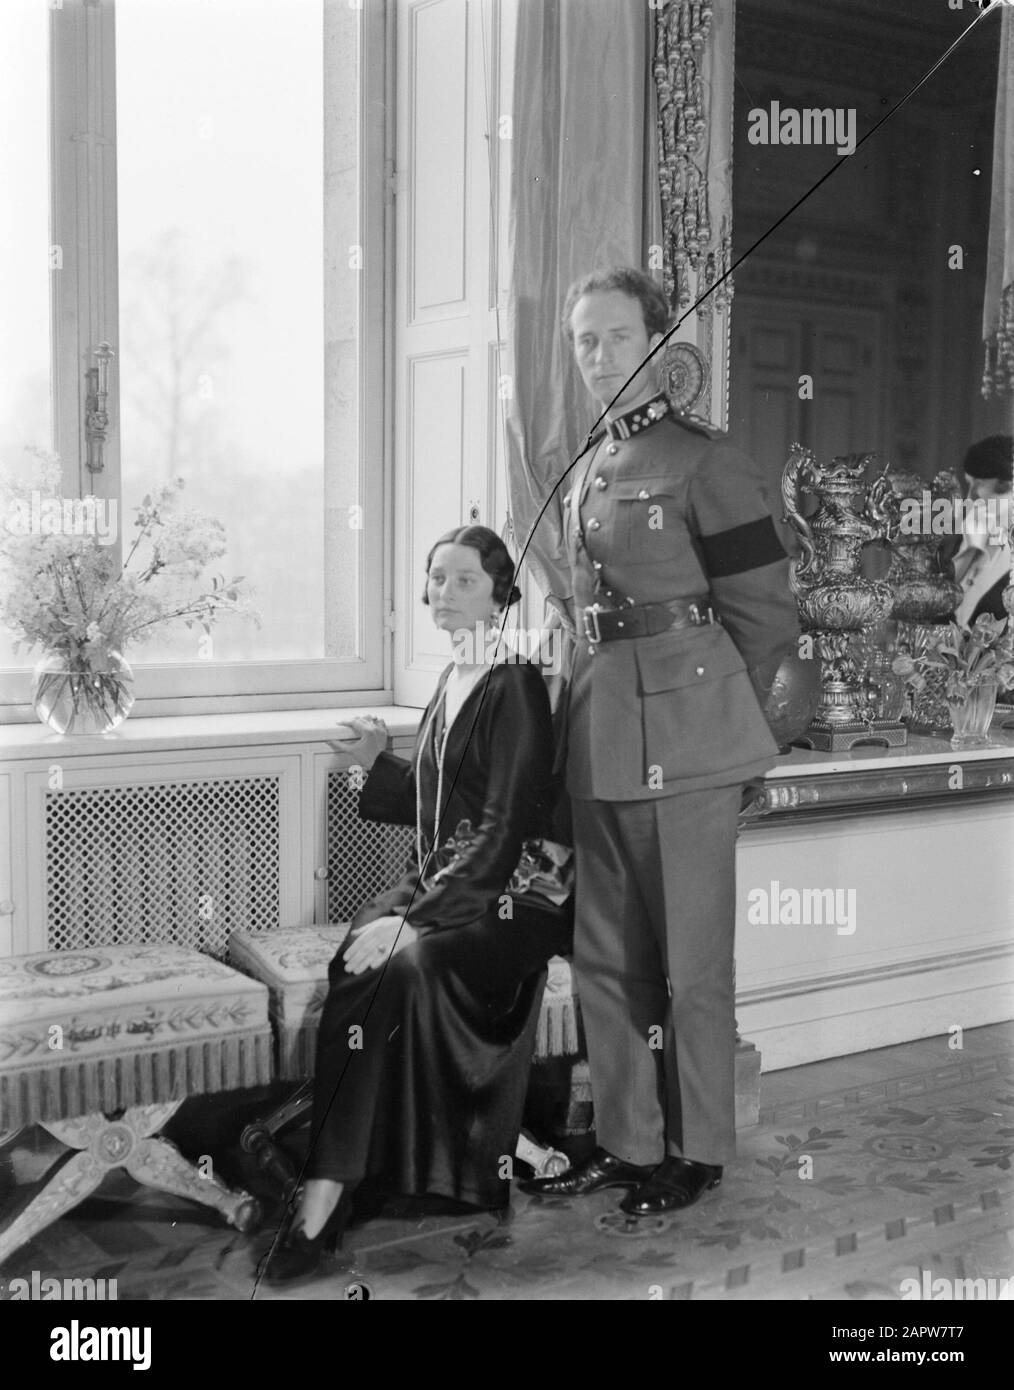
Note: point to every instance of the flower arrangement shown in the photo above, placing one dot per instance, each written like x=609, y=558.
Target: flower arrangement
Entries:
x=967, y=658
x=64, y=588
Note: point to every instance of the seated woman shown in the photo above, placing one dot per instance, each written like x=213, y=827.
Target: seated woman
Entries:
x=427, y=1032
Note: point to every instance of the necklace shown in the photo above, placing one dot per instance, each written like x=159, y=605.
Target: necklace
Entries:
x=440, y=750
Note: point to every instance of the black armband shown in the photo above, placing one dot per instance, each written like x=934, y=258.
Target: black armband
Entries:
x=746, y=547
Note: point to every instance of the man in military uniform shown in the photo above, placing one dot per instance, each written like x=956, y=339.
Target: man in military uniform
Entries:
x=683, y=613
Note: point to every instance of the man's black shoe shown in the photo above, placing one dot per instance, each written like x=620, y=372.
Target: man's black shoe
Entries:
x=675, y=1183
x=601, y=1170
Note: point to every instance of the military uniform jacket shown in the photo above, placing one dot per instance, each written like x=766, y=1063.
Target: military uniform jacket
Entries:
x=661, y=510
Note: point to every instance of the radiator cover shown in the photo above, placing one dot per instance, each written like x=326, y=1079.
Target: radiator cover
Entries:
x=191, y=860
x=363, y=857
x=184, y=862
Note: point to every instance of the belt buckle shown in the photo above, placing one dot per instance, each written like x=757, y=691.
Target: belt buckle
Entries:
x=595, y=633
x=699, y=618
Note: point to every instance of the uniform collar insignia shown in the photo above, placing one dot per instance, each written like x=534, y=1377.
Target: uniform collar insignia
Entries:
x=640, y=417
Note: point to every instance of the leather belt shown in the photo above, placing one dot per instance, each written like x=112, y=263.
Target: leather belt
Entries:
x=645, y=619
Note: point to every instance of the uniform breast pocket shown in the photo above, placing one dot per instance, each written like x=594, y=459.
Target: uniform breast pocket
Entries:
x=698, y=708
x=648, y=516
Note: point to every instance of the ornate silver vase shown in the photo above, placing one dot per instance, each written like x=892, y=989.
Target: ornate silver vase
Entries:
x=835, y=601
x=925, y=592
x=921, y=577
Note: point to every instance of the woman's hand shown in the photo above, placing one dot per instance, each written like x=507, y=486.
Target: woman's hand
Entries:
x=370, y=739
x=377, y=942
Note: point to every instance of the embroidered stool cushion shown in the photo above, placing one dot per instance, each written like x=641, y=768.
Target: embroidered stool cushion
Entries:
x=111, y=1027
x=293, y=962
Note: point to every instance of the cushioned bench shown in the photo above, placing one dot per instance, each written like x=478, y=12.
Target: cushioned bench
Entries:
x=86, y=1035
x=292, y=962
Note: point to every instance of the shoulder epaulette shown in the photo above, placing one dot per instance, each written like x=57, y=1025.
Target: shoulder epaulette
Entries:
x=697, y=424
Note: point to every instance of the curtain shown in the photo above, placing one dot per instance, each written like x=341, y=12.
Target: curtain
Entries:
x=621, y=156
x=998, y=309
x=693, y=72
x=998, y=313
x=583, y=196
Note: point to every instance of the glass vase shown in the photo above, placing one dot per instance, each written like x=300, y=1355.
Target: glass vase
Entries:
x=930, y=712
x=79, y=695
x=889, y=691
x=972, y=718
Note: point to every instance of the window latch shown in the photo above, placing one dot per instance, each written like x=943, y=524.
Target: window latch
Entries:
x=96, y=415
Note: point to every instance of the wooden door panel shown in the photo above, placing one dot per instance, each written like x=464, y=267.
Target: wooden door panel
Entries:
x=437, y=164
x=774, y=418
x=434, y=427
x=453, y=165
x=779, y=342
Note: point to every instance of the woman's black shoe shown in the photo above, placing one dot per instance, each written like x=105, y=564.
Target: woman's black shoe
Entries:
x=298, y=1254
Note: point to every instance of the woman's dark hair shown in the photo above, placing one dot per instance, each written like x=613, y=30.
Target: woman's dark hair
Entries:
x=495, y=557
x=991, y=458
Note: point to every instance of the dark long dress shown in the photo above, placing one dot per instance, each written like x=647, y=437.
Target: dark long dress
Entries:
x=431, y=1102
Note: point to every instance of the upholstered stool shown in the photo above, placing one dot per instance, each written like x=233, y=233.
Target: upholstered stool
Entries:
x=292, y=962
x=101, y=1047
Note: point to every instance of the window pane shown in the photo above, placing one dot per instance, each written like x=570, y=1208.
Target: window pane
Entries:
x=25, y=420
x=220, y=128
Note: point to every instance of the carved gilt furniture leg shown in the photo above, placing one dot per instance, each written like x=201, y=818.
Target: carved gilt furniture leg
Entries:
x=72, y=1182
x=128, y=1141
x=158, y=1163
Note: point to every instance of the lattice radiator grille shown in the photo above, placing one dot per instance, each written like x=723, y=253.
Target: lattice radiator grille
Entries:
x=363, y=858
x=182, y=862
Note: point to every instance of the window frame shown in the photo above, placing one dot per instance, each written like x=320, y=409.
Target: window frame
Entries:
x=84, y=308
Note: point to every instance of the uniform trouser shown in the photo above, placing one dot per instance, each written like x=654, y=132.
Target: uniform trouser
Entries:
x=655, y=901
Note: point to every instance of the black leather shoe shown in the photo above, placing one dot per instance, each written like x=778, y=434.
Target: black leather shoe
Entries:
x=675, y=1183
x=601, y=1170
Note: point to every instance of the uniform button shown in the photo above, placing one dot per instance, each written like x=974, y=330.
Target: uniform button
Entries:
x=643, y=495
x=600, y=483
x=613, y=449
x=700, y=670
x=596, y=564
x=594, y=524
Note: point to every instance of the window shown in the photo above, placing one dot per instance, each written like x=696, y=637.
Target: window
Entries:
x=210, y=207
x=25, y=415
